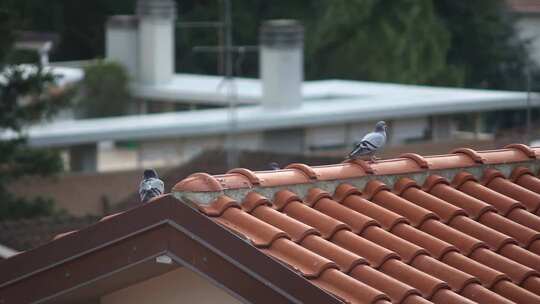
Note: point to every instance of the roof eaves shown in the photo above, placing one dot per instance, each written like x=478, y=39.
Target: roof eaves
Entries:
x=164, y=226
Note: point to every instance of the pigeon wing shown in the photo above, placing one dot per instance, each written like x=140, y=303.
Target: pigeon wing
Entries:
x=374, y=140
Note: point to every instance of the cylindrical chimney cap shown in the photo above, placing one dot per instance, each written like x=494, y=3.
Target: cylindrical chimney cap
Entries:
x=156, y=8
x=282, y=33
x=123, y=21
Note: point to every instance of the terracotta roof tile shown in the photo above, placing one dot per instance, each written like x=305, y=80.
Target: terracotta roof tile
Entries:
x=447, y=228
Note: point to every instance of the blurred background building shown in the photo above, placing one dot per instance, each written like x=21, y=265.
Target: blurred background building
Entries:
x=148, y=84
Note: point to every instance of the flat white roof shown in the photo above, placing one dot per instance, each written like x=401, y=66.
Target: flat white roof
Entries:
x=378, y=101
x=325, y=102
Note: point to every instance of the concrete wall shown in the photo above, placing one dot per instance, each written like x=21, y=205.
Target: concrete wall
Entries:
x=176, y=287
x=529, y=29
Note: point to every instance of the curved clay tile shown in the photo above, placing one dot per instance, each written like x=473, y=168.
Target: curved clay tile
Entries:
x=495, y=181
x=425, y=283
x=345, y=259
x=502, y=156
x=517, y=272
x=457, y=279
x=258, y=232
x=522, y=256
x=436, y=247
x=529, y=181
x=375, y=254
x=325, y=224
x=198, y=182
x=343, y=191
x=295, y=229
x=502, y=203
x=358, y=222
x=493, y=238
x=414, y=213
x=406, y=250
x=253, y=200
x=340, y=171
x=515, y=293
x=282, y=177
x=248, y=174
x=526, y=150
x=519, y=172
x=465, y=243
x=524, y=235
x=218, y=206
x=480, y=294
x=474, y=207
x=283, y=198
x=472, y=154
x=309, y=264
x=448, y=296
x=448, y=161
x=386, y=218
x=395, y=289
x=305, y=169
x=395, y=166
x=488, y=276
x=445, y=211
x=532, y=284
x=314, y=195
x=348, y=289
x=525, y=218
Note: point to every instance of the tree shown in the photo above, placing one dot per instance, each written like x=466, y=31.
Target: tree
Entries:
x=27, y=94
x=383, y=40
x=104, y=90
x=484, y=43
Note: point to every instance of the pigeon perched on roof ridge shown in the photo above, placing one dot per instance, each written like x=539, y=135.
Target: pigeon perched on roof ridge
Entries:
x=274, y=166
x=151, y=186
x=370, y=143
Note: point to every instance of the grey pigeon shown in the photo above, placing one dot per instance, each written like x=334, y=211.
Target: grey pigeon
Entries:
x=151, y=186
x=370, y=143
x=274, y=166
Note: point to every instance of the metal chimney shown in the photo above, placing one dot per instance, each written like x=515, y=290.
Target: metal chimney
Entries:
x=282, y=63
x=122, y=42
x=156, y=40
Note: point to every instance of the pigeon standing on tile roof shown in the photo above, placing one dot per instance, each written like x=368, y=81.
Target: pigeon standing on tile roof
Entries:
x=370, y=143
x=151, y=186
x=274, y=166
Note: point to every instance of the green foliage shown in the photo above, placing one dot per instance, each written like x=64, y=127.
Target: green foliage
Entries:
x=104, y=90
x=485, y=45
x=27, y=94
x=442, y=42
x=379, y=40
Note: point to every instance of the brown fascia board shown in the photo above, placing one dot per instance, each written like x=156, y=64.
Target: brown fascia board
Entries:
x=78, y=266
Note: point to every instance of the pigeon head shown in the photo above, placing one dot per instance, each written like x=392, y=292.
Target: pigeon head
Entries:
x=150, y=173
x=380, y=126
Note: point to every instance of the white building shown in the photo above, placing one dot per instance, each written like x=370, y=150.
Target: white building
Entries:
x=278, y=112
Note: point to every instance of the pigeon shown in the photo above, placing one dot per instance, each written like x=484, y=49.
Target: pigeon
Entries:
x=151, y=186
x=274, y=166
x=370, y=143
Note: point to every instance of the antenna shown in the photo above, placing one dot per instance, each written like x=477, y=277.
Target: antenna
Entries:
x=227, y=48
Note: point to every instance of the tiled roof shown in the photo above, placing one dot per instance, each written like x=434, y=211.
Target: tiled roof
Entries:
x=525, y=6
x=456, y=228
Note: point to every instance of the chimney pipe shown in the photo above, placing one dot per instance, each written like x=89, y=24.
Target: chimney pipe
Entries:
x=282, y=63
x=122, y=42
x=156, y=40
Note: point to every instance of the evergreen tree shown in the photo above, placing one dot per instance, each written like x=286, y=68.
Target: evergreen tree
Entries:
x=27, y=94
